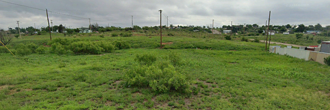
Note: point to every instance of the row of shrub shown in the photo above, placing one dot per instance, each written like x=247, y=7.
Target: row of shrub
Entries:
x=68, y=46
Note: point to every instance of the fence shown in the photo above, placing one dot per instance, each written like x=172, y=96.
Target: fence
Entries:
x=299, y=53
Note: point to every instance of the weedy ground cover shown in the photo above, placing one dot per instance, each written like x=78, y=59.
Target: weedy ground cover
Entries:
x=215, y=73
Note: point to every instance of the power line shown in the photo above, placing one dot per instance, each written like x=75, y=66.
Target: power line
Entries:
x=41, y=9
x=22, y=5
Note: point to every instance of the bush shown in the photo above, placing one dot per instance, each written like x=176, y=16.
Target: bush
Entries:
x=108, y=47
x=160, y=80
x=121, y=45
x=174, y=58
x=114, y=35
x=126, y=34
x=227, y=37
x=32, y=47
x=3, y=49
x=41, y=50
x=58, y=48
x=16, y=36
x=298, y=36
x=86, y=47
x=22, y=50
x=327, y=60
x=256, y=40
x=244, y=39
x=170, y=34
x=146, y=59
x=102, y=36
x=319, y=41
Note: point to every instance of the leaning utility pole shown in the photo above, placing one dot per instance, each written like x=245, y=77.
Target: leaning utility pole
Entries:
x=19, y=29
x=50, y=33
x=270, y=36
x=161, y=36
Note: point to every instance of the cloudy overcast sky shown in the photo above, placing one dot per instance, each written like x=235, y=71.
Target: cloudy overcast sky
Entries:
x=179, y=12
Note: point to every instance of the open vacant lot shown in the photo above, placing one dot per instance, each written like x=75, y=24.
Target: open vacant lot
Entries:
x=221, y=74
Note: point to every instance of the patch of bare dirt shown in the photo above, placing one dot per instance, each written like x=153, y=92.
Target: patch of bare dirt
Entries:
x=5, y=86
x=167, y=43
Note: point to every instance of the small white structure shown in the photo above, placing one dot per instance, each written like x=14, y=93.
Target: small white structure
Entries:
x=226, y=31
x=286, y=33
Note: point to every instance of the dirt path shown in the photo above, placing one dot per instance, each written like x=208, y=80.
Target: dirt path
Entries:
x=282, y=43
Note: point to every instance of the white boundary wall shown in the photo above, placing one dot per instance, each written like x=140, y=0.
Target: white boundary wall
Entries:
x=297, y=53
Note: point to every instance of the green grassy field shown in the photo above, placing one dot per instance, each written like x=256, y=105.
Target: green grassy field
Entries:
x=228, y=75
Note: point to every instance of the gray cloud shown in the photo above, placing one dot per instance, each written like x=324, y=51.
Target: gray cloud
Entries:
x=145, y=12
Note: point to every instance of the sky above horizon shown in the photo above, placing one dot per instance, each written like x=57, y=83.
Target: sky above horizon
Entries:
x=74, y=13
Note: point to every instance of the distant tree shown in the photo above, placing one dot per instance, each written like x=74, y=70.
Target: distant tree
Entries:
x=301, y=28
x=12, y=31
x=55, y=28
x=282, y=29
x=255, y=25
x=288, y=26
x=30, y=30
x=61, y=28
x=318, y=26
x=136, y=27
x=77, y=30
x=310, y=27
x=171, y=26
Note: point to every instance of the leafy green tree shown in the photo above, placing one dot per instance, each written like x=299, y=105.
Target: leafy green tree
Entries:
x=255, y=25
x=61, y=28
x=318, y=26
x=288, y=26
x=301, y=28
x=282, y=29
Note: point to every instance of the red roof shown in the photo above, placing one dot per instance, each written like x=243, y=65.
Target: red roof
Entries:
x=314, y=46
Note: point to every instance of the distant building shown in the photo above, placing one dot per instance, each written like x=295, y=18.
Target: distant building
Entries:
x=286, y=33
x=85, y=30
x=226, y=31
x=313, y=32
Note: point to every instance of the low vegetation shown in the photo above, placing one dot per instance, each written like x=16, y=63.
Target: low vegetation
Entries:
x=193, y=71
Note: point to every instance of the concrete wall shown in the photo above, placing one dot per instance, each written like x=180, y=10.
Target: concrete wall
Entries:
x=302, y=54
x=320, y=57
x=313, y=55
x=297, y=53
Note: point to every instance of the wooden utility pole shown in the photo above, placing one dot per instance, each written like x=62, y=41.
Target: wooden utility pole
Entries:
x=132, y=23
x=167, y=21
x=19, y=29
x=161, y=36
x=50, y=33
x=90, y=25
x=212, y=23
x=270, y=36
x=266, y=35
x=52, y=25
x=231, y=32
